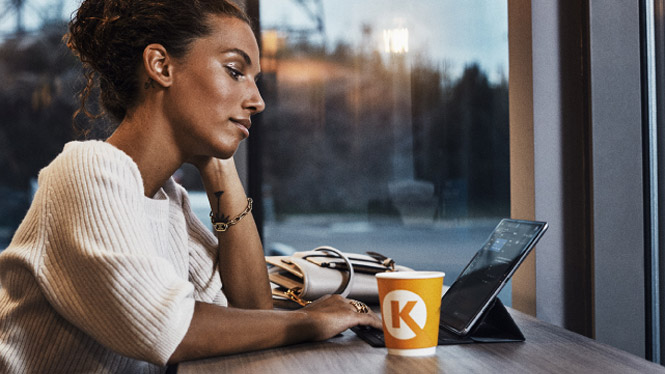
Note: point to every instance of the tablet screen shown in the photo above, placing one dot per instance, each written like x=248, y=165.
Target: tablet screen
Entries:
x=488, y=271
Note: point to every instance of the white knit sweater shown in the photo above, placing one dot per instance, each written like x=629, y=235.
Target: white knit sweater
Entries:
x=98, y=278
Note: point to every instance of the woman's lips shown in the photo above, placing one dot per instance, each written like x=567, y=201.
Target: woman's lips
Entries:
x=243, y=124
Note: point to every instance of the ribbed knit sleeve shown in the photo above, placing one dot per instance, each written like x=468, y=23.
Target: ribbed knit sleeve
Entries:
x=101, y=268
x=203, y=247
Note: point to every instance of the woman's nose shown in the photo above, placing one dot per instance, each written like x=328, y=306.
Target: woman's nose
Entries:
x=255, y=102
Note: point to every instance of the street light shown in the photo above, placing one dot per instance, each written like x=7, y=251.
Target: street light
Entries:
x=396, y=40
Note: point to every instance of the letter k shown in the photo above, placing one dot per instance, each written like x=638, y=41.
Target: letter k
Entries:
x=404, y=314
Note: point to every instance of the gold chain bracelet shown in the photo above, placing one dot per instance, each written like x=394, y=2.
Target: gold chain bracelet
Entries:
x=223, y=226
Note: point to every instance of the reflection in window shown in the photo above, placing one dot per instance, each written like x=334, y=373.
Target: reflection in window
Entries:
x=37, y=98
x=386, y=127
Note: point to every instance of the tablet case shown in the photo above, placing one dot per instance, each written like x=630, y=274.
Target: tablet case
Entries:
x=495, y=326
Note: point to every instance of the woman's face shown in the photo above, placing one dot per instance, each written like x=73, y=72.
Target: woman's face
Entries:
x=214, y=90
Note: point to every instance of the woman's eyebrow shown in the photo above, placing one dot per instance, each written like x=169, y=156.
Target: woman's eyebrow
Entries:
x=242, y=54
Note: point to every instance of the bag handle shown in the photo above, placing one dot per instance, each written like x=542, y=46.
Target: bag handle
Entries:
x=347, y=286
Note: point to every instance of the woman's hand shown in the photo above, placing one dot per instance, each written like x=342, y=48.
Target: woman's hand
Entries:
x=332, y=314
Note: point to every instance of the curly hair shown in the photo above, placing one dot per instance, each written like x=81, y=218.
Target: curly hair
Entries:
x=109, y=37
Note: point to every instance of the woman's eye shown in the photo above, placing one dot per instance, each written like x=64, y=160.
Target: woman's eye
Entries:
x=234, y=73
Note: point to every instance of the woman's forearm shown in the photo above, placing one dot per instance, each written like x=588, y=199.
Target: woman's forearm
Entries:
x=216, y=330
x=241, y=258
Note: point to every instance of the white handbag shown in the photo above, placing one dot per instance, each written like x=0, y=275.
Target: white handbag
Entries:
x=305, y=276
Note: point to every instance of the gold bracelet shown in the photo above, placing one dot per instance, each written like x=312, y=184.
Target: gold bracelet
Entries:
x=221, y=226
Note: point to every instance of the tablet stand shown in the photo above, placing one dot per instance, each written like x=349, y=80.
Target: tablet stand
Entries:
x=495, y=326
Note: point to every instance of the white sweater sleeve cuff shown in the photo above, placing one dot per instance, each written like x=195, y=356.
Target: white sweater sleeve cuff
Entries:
x=175, y=336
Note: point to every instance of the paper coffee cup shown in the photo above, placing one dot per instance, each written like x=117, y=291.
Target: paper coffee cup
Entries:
x=410, y=308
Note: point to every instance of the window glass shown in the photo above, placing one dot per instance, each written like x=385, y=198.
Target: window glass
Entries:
x=386, y=127
x=40, y=78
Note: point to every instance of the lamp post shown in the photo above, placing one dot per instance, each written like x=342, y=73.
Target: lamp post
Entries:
x=414, y=199
x=396, y=45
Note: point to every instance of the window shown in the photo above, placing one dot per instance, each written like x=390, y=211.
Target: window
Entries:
x=386, y=127
x=39, y=80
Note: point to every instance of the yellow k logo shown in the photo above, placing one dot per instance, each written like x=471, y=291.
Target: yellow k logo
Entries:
x=405, y=314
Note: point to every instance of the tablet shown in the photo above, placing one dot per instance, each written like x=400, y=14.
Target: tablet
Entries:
x=487, y=272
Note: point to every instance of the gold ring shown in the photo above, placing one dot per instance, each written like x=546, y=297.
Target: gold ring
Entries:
x=360, y=306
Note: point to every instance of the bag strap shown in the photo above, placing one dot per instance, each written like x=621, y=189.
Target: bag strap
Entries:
x=347, y=287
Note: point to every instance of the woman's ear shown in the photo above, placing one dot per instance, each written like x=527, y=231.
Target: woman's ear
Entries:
x=157, y=65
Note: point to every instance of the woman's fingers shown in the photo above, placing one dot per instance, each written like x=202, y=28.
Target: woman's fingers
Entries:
x=333, y=314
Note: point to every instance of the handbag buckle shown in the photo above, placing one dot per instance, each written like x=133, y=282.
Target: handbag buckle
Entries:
x=388, y=262
x=292, y=293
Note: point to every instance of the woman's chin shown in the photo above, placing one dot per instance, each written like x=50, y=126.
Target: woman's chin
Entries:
x=225, y=153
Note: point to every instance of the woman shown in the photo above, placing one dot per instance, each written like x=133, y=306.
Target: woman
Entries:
x=110, y=271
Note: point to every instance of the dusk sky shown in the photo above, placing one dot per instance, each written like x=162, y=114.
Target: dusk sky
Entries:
x=458, y=32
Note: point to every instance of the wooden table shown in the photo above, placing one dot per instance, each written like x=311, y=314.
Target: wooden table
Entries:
x=548, y=349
